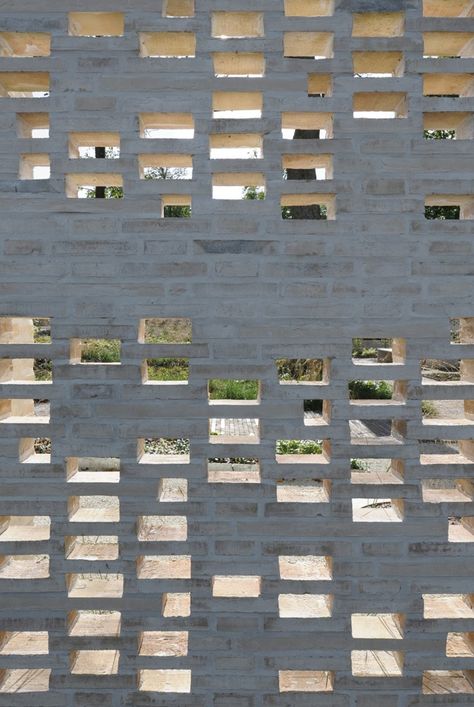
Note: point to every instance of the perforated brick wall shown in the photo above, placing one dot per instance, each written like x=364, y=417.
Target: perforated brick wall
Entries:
x=200, y=197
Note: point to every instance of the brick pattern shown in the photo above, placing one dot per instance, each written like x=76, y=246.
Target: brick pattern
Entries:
x=226, y=571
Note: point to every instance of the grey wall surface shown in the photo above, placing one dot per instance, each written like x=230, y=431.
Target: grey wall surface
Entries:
x=257, y=288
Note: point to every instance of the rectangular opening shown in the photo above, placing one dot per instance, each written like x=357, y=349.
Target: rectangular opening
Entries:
x=369, y=351
x=35, y=450
x=305, y=681
x=380, y=106
x=94, y=622
x=304, y=126
x=445, y=451
x=448, y=45
x=24, y=330
x=319, y=207
x=236, y=25
x=305, y=166
x=448, y=126
x=238, y=64
x=377, y=432
x=94, y=186
x=165, y=371
x=238, y=587
x=178, y=8
x=447, y=412
x=461, y=529
x=164, y=567
x=93, y=470
x=308, y=45
x=300, y=450
x=237, y=105
x=448, y=85
x=378, y=626
x=96, y=24
x=225, y=430
x=25, y=44
x=176, y=206
x=25, y=84
x=305, y=568
x=24, y=411
x=233, y=470
x=442, y=372
x=377, y=664
x=24, y=528
x=443, y=682
x=307, y=371
x=319, y=85
x=163, y=450
x=176, y=604
x=305, y=606
x=18, y=680
x=94, y=351
x=449, y=207
x=312, y=490
x=377, y=510
x=448, y=606
x=169, y=330
x=32, y=125
x=93, y=509
x=378, y=64
x=167, y=45
x=460, y=645
x=165, y=126
x=447, y=490
x=165, y=166
x=24, y=567
x=377, y=471
x=224, y=389
x=316, y=412
x=237, y=146
x=24, y=643
x=309, y=8
x=94, y=145
x=462, y=332
x=34, y=166
x=94, y=662
x=162, y=528
x=370, y=392
x=94, y=586
x=163, y=644
x=453, y=8
x=92, y=548
x=378, y=24
x=237, y=186
x=178, y=681
x=173, y=490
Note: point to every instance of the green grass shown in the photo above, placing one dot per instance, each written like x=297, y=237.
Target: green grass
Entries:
x=226, y=389
x=370, y=390
x=429, y=409
x=298, y=446
x=168, y=331
x=43, y=369
x=300, y=369
x=41, y=331
x=168, y=369
x=359, y=350
x=100, y=351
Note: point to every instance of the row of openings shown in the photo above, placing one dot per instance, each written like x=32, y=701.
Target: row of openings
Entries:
x=30, y=84
x=238, y=24
x=180, y=126
x=366, y=663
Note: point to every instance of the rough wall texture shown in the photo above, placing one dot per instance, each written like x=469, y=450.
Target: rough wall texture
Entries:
x=284, y=558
